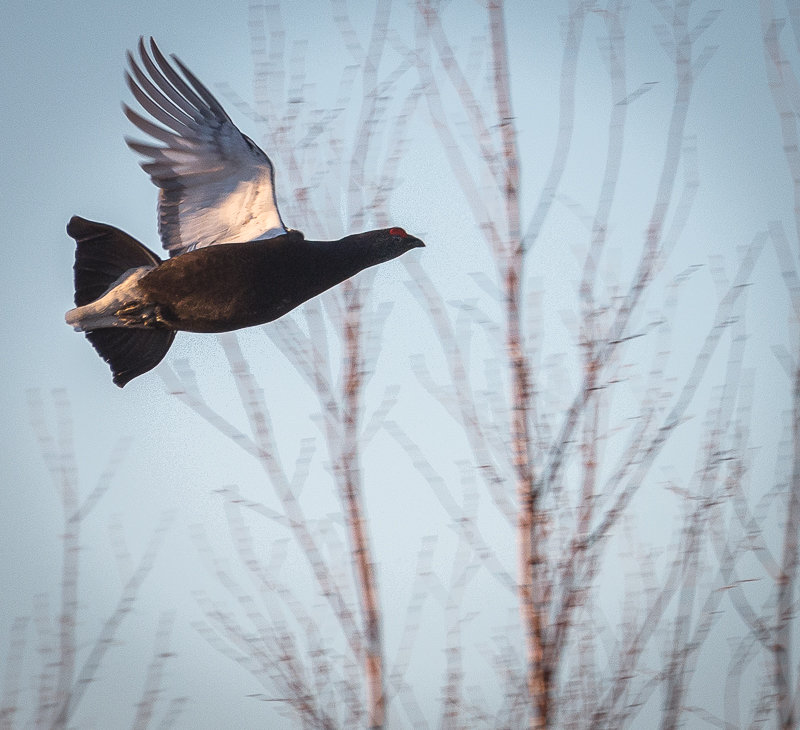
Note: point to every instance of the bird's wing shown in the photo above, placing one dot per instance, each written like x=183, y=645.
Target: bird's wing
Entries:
x=216, y=185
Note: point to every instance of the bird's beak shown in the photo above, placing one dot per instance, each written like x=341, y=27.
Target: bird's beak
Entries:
x=416, y=243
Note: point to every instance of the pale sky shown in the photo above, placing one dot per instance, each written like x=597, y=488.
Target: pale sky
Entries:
x=63, y=153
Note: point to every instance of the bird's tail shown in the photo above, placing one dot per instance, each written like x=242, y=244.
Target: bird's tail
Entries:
x=103, y=255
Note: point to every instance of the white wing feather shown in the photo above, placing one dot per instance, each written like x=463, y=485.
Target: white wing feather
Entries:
x=216, y=185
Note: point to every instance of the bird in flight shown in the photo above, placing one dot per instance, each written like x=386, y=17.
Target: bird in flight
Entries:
x=232, y=261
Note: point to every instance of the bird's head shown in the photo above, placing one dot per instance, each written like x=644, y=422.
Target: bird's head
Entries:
x=384, y=244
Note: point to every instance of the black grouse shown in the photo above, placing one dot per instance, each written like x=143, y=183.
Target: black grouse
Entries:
x=232, y=262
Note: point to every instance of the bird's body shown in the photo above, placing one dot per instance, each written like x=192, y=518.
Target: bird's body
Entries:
x=223, y=288
x=263, y=280
x=232, y=264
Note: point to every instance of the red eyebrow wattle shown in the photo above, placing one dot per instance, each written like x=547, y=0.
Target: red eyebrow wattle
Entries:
x=397, y=232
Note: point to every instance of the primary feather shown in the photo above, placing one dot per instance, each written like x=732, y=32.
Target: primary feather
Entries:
x=216, y=185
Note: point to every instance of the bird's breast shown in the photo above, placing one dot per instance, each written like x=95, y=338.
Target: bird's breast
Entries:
x=231, y=286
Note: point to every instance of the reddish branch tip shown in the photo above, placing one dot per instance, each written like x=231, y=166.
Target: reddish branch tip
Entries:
x=398, y=232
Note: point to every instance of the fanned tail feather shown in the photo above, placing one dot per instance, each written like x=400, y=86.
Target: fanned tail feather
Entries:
x=103, y=255
x=130, y=352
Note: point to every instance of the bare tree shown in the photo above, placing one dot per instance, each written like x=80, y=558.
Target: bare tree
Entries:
x=67, y=670
x=309, y=147
x=561, y=444
x=570, y=489
x=771, y=627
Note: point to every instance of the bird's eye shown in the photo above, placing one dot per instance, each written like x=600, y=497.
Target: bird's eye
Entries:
x=398, y=232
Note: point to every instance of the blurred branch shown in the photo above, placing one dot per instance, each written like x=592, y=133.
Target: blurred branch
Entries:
x=62, y=683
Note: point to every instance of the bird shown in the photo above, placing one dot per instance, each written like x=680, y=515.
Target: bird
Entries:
x=232, y=261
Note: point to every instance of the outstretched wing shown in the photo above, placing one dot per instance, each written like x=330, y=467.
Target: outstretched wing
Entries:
x=216, y=185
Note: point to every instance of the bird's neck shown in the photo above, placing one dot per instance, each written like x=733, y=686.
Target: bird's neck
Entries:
x=344, y=258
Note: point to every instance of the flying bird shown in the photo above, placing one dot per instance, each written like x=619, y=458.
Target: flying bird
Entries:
x=232, y=261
